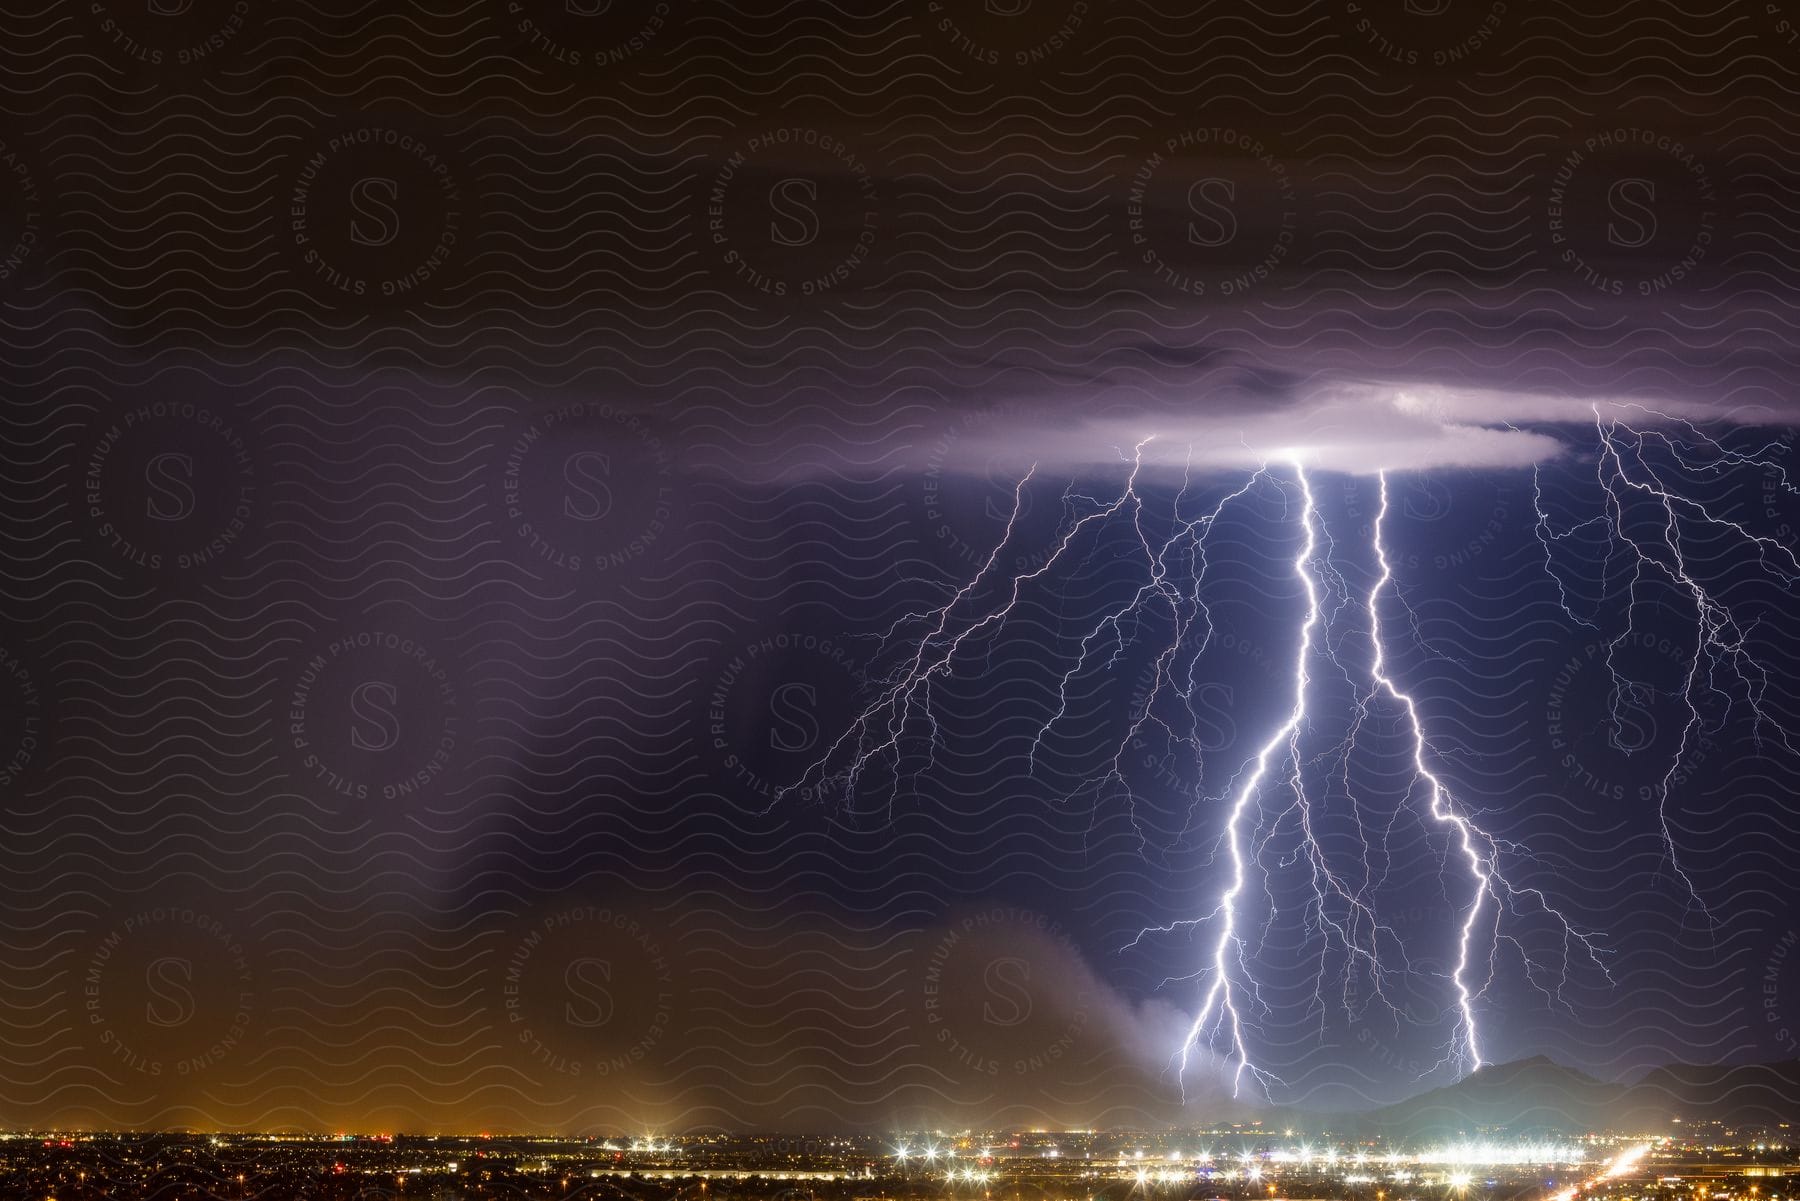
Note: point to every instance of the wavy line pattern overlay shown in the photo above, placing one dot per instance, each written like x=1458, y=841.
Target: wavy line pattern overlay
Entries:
x=467, y=461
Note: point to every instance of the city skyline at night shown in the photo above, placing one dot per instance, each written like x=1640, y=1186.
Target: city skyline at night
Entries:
x=593, y=570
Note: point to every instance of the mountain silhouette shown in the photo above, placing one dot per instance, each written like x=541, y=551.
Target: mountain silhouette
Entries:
x=1539, y=1096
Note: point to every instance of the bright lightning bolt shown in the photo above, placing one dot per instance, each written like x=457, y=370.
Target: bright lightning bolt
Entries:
x=1479, y=850
x=1173, y=555
x=1476, y=847
x=1221, y=1015
x=1219, y=1011
x=1229, y=994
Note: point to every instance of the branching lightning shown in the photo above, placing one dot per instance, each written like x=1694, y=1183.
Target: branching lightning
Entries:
x=1487, y=887
x=1171, y=550
x=1220, y=1010
x=877, y=731
x=1473, y=845
x=1649, y=524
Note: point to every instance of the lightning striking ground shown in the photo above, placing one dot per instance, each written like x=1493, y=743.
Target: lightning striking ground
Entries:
x=1480, y=850
x=1474, y=845
x=1220, y=1011
x=1340, y=906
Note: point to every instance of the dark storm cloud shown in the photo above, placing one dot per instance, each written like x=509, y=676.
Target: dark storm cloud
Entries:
x=430, y=557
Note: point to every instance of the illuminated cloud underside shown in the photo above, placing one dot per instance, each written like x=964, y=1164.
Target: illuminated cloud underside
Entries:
x=1358, y=429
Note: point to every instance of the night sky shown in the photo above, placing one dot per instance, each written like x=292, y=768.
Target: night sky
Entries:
x=462, y=460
